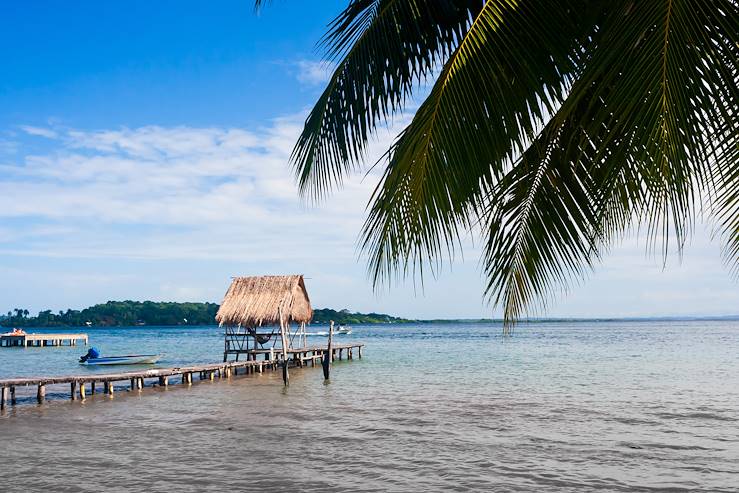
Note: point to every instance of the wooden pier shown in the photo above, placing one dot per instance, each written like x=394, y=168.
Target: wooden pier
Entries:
x=41, y=340
x=271, y=360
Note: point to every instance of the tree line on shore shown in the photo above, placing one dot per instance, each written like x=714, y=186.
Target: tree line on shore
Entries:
x=131, y=313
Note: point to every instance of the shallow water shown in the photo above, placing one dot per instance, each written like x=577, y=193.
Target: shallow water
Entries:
x=614, y=406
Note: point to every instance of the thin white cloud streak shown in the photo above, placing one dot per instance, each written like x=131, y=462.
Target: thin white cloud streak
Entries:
x=39, y=131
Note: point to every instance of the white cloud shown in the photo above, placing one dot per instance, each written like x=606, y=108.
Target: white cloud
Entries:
x=313, y=73
x=183, y=192
x=39, y=131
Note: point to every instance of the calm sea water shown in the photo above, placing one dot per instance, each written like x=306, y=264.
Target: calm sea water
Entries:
x=613, y=406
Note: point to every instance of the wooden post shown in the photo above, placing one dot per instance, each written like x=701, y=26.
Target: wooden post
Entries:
x=109, y=388
x=327, y=354
x=163, y=381
x=12, y=395
x=72, y=390
x=92, y=387
x=41, y=393
x=283, y=334
x=139, y=383
x=82, y=391
x=4, y=398
x=359, y=351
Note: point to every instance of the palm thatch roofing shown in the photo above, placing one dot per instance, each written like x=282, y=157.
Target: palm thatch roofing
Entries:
x=258, y=300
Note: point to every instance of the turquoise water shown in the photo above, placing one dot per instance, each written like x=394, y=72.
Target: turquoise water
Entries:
x=586, y=406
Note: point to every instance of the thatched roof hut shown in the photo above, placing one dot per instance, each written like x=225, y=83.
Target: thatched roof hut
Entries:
x=259, y=300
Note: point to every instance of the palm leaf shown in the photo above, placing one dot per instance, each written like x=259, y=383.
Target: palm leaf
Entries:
x=384, y=48
x=515, y=59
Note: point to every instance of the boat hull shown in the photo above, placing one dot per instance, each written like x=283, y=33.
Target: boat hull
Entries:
x=136, y=359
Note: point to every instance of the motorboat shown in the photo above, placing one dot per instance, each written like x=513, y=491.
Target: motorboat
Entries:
x=93, y=357
x=344, y=330
x=131, y=359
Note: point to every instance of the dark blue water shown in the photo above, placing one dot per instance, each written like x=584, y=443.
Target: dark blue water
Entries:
x=610, y=406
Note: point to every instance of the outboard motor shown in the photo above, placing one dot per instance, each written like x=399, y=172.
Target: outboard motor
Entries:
x=92, y=353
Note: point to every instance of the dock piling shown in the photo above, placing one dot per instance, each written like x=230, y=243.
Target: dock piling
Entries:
x=329, y=351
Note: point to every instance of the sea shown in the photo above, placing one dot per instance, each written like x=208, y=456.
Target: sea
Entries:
x=556, y=407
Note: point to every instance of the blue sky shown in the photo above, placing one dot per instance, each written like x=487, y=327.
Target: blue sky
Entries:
x=143, y=155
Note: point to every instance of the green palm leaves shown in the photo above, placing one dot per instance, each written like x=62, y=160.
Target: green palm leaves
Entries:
x=552, y=128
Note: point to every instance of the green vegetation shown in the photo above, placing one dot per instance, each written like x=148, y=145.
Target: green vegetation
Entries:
x=345, y=317
x=118, y=313
x=552, y=129
x=128, y=313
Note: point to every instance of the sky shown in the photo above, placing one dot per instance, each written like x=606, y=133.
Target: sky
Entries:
x=144, y=152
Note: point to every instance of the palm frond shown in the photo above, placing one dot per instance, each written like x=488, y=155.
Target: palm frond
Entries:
x=659, y=75
x=384, y=48
x=495, y=92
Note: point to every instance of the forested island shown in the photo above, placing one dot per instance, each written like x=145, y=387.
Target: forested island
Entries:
x=130, y=313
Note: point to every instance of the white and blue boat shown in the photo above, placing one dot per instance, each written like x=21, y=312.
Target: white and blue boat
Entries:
x=93, y=357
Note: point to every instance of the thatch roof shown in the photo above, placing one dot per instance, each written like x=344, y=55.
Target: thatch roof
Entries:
x=256, y=301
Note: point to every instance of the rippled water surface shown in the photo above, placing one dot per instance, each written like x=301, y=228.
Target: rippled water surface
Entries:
x=613, y=406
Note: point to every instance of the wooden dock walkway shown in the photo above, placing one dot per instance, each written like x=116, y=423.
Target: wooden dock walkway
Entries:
x=41, y=340
x=79, y=384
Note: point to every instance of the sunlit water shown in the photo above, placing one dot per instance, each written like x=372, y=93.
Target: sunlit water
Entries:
x=614, y=406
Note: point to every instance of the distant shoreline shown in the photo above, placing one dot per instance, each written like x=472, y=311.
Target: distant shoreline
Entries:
x=443, y=321
x=173, y=314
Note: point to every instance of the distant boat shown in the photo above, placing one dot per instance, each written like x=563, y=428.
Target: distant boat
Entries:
x=344, y=330
x=131, y=359
x=341, y=330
